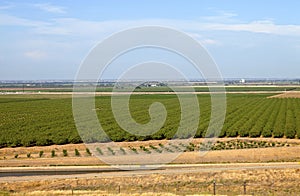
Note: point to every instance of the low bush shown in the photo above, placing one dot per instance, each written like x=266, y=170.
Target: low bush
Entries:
x=99, y=151
x=145, y=149
x=77, y=153
x=122, y=151
x=65, y=153
x=133, y=149
x=111, y=150
x=53, y=153
x=88, y=151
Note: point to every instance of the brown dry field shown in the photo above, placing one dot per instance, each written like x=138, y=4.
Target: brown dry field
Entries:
x=290, y=94
x=271, y=154
x=258, y=182
x=269, y=181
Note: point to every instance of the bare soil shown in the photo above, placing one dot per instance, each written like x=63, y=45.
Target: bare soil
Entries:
x=288, y=152
x=290, y=94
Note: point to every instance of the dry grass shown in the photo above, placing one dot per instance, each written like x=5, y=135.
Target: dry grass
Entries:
x=7, y=155
x=88, y=193
x=259, y=182
x=290, y=94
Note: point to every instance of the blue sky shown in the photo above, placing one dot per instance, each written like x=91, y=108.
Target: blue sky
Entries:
x=247, y=39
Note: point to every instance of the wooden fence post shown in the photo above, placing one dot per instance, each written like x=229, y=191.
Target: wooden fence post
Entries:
x=214, y=182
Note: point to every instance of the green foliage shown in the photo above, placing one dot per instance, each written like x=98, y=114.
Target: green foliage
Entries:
x=32, y=120
x=77, y=153
x=266, y=132
x=155, y=149
x=111, y=150
x=53, y=153
x=99, y=151
x=163, y=147
x=177, y=148
x=65, y=153
x=122, y=150
x=88, y=151
x=190, y=147
x=41, y=153
x=133, y=149
x=254, y=133
x=28, y=155
x=240, y=144
x=145, y=149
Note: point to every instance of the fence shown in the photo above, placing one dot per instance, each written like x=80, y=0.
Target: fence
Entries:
x=182, y=188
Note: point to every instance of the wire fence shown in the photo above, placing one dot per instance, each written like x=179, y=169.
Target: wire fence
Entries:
x=184, y=188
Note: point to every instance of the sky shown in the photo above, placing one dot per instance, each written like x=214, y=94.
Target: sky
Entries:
x=42, y=40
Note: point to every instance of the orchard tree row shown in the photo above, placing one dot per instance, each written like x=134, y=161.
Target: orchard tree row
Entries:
x=31, y=121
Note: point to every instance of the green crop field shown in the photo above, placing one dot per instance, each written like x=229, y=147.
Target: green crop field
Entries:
x=29, y=120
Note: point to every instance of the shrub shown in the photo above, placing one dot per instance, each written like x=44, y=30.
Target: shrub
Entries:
x=111, y=150
x=41, y=153
x=99, y=151
x=53, y=153
x=190, y=147
x=176, y=147
x=65, y=153
x=88, y=151
x=145, y=149
x=28, y=155
x=16, y=156
x=122, y=150
x=77, y=153
x=168, y=149
x=133, y=149
x=156, y=149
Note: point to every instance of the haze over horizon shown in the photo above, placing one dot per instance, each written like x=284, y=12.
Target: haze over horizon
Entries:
x=250, y=39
